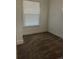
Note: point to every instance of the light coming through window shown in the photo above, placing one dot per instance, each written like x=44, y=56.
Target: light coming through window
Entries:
x=31, y=13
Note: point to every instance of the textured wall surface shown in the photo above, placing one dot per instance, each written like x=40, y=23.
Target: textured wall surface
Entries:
x=56, y=17
x=19, y=29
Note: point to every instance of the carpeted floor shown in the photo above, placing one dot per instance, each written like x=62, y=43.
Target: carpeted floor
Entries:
x=40, y=46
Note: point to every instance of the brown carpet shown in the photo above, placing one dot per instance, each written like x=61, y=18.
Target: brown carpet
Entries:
x=40, y=46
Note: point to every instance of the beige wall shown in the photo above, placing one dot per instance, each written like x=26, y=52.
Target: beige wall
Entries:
x=19, y=29
x=55, y=20
x=43, y=20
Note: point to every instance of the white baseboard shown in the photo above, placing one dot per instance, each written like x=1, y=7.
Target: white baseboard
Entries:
x=61, y=36
x=19, y=42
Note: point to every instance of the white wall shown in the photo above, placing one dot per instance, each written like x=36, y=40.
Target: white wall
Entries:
x=19, y=29
x=43, y=20
x=55, y=21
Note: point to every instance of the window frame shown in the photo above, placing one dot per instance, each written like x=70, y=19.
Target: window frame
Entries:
x=23, y=16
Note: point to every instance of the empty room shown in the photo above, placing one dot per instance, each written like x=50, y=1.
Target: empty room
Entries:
x=39, y=29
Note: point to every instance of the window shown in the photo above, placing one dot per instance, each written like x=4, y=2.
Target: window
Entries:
x=31, y=13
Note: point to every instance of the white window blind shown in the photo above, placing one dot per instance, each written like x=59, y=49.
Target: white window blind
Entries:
x=31, y=11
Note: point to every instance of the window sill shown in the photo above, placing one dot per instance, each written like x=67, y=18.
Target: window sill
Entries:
x=31, y=26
